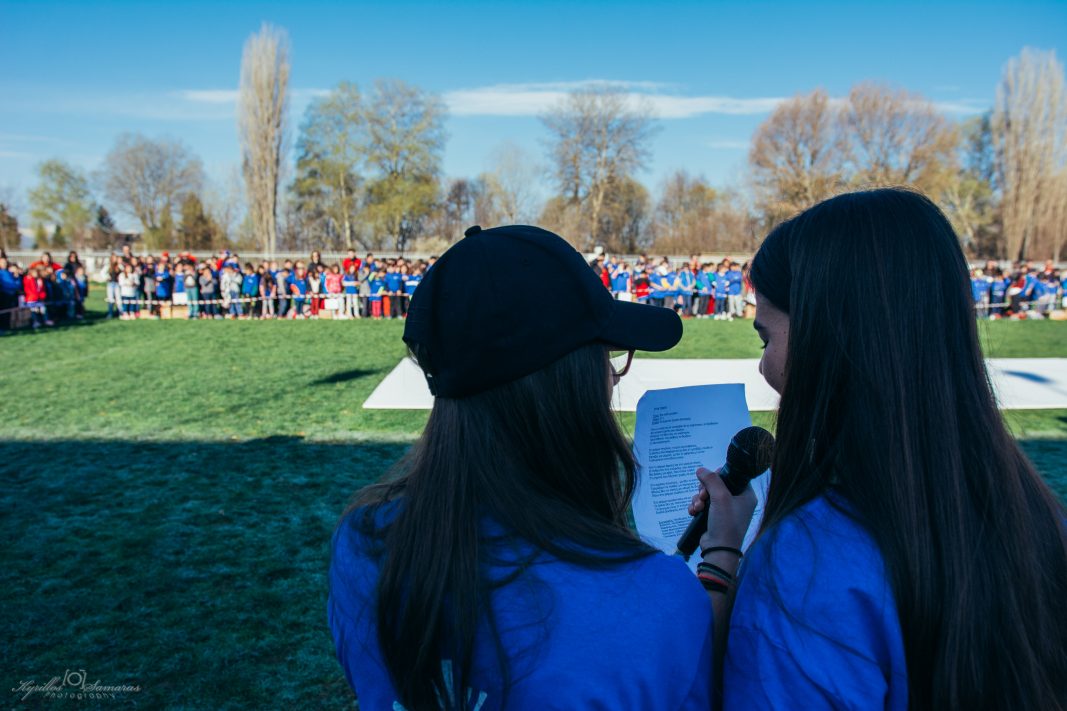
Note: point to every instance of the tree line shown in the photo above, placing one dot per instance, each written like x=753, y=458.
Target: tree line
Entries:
x=368, y=171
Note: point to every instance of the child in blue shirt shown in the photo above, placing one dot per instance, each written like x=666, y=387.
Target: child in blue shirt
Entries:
x=998, y=293
x=162, y=290
x=377, y=290
x=394, y=287
x=411, y=282
x=981, y=288
x=350, y=285
x=686, y=287
x=722, y=294
x=81, y=281
x=250, y=292
x=298, y=287
x=620, y=282
x=703, y=290
x=665, y=287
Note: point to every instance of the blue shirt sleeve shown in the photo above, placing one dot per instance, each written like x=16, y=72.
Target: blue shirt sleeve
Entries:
x=814, y=625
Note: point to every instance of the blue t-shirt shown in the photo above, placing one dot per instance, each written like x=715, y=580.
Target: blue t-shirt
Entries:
x=163, y=283
x=722, y=284
x=814, y=623
x=999, y=288
x=634, y=636
x=979, y=288
x=9, y=283
x=393, y=281
x=411, y=283
x=686, y=281
x=735, y=279
x=665, y=285
x=376, y=288
x=350, y=283
x=1028, y=285
x=250, y=286
x=301, y=284
x=620, y=281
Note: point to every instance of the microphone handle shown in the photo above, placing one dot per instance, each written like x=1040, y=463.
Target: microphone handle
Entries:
x=690, y=540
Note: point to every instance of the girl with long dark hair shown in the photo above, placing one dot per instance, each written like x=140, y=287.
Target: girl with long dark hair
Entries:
x=909, y=554
x=496, y=568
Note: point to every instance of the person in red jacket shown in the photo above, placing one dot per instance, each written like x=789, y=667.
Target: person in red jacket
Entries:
x=351, y=260
x=36, y=296
x=46, y=261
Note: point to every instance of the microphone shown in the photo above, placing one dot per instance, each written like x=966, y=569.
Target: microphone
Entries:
x=748, y=456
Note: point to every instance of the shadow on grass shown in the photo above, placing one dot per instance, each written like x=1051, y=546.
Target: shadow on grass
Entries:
x=1050, y=458
x=196, y=570
x=344, y=376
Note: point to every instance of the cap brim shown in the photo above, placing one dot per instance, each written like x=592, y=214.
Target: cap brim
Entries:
x=642, y=327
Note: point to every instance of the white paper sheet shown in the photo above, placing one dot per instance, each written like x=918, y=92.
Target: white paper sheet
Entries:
x=679, y=430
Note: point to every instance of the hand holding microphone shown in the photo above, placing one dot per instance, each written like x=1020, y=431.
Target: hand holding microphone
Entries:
x=726, y=500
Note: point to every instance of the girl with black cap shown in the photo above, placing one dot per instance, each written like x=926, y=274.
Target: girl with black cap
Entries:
x=496, y=568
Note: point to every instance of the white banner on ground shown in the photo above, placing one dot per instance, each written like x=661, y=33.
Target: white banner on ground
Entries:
x=1020, y=383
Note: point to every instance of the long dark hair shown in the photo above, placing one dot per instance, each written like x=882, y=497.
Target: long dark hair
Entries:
x=543, y=455
x=887, y=402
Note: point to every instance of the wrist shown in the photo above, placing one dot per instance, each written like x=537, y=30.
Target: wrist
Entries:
x=727, y=561
x=709, y=540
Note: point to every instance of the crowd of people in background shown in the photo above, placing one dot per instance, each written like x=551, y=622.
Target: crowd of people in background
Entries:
x=227, y=287
x=48, y=291
x=224, y=286
x=694, y=289
x=1023, y=289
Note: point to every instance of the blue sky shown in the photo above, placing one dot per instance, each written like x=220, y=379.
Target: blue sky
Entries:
x=75, y=75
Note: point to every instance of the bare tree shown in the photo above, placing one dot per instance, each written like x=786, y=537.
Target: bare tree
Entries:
x=597, y=140
x=225, y=206
x=692, y=216
x=968, y=198
x=512, y=178
x=262, y=119
x=684, y=214
x=145, y=177
x=893, y=137
x=1052, y=230
x=1030, y=138
x=796, y=156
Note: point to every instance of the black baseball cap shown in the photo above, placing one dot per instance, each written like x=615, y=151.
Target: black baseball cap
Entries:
x=506, y=302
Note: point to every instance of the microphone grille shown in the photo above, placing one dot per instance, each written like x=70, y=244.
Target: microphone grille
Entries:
x=757, y=446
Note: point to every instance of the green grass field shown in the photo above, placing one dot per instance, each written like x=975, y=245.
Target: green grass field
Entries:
x=169, y=489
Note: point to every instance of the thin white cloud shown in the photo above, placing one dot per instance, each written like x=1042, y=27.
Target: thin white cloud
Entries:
x=229, y=96
x=727, y=144
x=208, y=96
x=25, y=138
x=689, y=106
x=965, y=107
x=536, y=98
x=15, y=154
